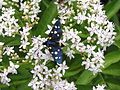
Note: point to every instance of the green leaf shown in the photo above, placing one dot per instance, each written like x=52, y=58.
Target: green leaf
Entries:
x=13, y=83
x=46, y=19
x=24, y=86
x=113, y=86
x=18, y=15
x=117, y=40
x=23, y=72
x=14, y=41
x=85, y=78
x=113, y=82
x=116, y=22
x=112, y=8
x=45, y=3
x=10, y=41
x=113, y=69
x=84, y=87
x=75, y=63
x=72, y=73
x=117, y=43
x=111, y=58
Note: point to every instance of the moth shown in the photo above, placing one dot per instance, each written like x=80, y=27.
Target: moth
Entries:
x=53, y=44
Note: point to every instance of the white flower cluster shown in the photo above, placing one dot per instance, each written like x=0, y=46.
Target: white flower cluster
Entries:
x=95, y=60
x=8, y=50
x=8, y=24
x=11, y=69
x=88, y=30
x=24, y=36
x=44, y=78
x=36, y=51
x=99, y=87
x=30, y=11
x=2, y=3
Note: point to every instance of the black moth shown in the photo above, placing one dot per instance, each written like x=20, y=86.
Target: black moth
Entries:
x=53, y=44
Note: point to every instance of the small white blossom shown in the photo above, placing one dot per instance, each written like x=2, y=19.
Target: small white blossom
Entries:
x=8, y=50
x=70, y=53
x=15, y=0
x=24, y=43
x=8, y=23
x=3, y=77
x=99, y=87
x=90, y=50
x=80, y=17
x=62, y=67
x=12, y=68
x=2, y=3
x=64, y=85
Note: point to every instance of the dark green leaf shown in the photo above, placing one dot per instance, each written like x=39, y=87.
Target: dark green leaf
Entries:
x=111, y=58
x=85, y=78
x=113, y=69
x=46, y=19
x=72, y=73
x=112, y=8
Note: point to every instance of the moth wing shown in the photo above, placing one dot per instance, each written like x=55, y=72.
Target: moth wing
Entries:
x=57, y=54
x=56, y=32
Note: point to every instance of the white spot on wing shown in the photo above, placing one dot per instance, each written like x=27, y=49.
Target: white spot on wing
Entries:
x=58, y=27
x=58, y=35
x=55, y=32
x=56, y=57
x=58, y=50
x=56, y=53
x=51, y=31
x=55, y=26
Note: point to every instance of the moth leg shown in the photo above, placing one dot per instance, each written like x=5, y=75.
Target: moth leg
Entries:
x=49, y=48
x=49, y=38
x=61, y=45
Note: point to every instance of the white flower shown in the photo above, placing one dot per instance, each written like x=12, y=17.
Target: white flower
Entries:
x=30, y=10
x=80, y=17
x=44, y=82
x=70, y=53
x=0, y=59
x=64, y=85
x=99, y=87
x=38, y=69
x=90, y=50
x=24, y=43
x=87, y=63
x=47, y=56
x=8, y=25
x=2, y=3
x=15, y=0
x=57, y=74
x=49, y=29
x=62, y=67
x=1, y=44
x=47, y=73
x=4, y=79
x=25, y=32
x=12, y=68
x=8, y=50
x=34, y=84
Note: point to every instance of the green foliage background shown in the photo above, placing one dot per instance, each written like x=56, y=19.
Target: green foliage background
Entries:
x=83, y=79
